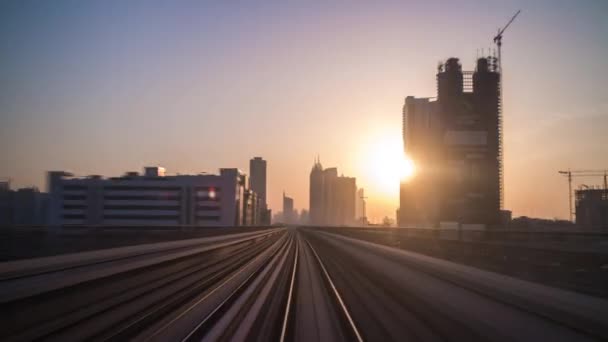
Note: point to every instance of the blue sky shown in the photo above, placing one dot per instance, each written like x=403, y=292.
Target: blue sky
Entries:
x=109, y=86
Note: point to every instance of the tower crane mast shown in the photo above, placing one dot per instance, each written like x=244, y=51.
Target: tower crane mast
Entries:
x=498, y=38
x=498, y=42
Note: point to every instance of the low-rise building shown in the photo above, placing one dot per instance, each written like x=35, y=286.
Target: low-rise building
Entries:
x=152, y=199
x=592, y=208
x=22, y=207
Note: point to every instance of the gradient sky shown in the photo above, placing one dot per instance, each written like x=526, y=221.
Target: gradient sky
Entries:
x=103, y=87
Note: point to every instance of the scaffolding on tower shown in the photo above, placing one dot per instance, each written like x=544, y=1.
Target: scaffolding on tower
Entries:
x=498, y=42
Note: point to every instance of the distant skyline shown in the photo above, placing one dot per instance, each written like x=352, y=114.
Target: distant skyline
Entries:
x=104, y=87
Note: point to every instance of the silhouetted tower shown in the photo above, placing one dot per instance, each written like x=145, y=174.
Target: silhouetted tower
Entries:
x=345, y=196
x=316, y=202
x=418, y=200
x=330, y=196
x=288, y=212
x=257, y=183
x=257, y=178
x=486, y=99
x=469, y=116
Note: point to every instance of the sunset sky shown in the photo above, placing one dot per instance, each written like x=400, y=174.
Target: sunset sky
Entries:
x=104, y=87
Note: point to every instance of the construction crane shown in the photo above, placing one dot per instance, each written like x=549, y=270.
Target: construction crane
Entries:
x=498, y=39
x=498, y=42
x=582, y=173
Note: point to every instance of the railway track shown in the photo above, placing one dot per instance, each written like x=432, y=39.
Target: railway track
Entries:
x=284, y=285
x=119, y=306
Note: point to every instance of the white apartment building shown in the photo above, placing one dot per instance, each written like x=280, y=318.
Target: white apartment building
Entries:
x=152, y=199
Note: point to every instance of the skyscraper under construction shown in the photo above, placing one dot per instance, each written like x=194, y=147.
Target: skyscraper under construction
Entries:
x=455, y=141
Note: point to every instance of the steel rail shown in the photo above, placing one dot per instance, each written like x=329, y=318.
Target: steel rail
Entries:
x=206, y=296
x=290, y=295
x=337, y=294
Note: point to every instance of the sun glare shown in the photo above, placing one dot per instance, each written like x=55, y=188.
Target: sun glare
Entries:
x=386, y=165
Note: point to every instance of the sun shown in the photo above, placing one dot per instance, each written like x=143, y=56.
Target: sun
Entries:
x=386, y=165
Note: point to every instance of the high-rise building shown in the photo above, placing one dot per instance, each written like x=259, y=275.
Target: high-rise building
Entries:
x=421, y=141
x=470, y=127
x=257, y=183
x=257, y=177
x=455, y=143
x=316, y=194
x=332, y=197
x=346, y=195
x=289, y=216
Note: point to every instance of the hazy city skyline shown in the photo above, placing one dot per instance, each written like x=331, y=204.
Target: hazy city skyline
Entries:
x=100, y=88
